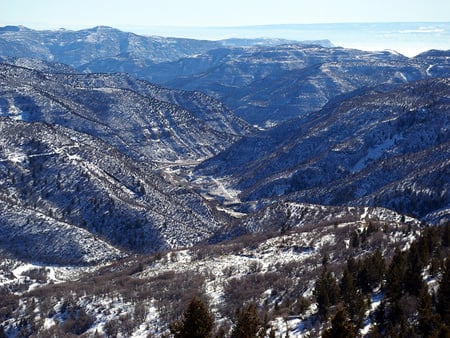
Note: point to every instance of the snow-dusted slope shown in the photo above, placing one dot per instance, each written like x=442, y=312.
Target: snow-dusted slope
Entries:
x=277, y=271
x=384, y=147
x=121, y=111
x=64, y=195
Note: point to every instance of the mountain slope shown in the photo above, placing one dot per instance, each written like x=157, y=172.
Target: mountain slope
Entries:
x=264, y=82
x=76, y=48
x=53, y=178
x=267, y=85
x=122, y=111
x=384, y=147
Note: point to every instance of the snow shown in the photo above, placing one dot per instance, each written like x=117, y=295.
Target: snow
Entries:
x=375, y=153
x=375, y=301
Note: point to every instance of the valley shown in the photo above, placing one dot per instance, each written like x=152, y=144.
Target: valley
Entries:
x=138, y=172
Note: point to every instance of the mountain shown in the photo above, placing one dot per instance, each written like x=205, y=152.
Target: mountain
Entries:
x=267, y=85
x=263, y=81
x=121, y=200
x=144, y=121
x=70, y=198
x=79, y=47
x=165, y=61
x=82, y=155
x=386, y=146
x=276, y=271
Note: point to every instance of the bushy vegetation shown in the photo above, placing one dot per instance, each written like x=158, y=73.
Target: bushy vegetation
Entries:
x=411, y=285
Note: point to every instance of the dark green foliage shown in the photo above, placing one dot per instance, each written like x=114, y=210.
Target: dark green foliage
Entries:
x=446, y=235
x=353, y=299
x=396, y=276
x=371, y=271
x=340, y=326
x=247, y=323
x=2, y=332
x=197, y=321
x=443, y=296
x=413, y=275
x=326, y=292
x=428, y=320
x=379, y=318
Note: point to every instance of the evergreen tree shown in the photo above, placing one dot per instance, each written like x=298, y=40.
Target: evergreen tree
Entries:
x=340, y=327
x=347, y=286
x=326, y=292
x=379, y=318
x=371, y=271
x=413, y=275
x=428, y=321
x=2, y=332
x=443, y=296
x=247, y=323
x=353, y=299
x=446, y=235
x=197, y=321
x=395, y=276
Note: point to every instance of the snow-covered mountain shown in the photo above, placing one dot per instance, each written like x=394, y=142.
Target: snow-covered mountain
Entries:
x=69, y=198
x=121, y=199
x=144, y=121
x=387, y=146
x=76, y=48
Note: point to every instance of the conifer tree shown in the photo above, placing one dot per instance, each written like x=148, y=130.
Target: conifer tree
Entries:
x=247, y=323
x=413, y=275
x=326, y=292
x=2, y=332
x=347, y=286
x=428, y=321
x=444, y=293
x=395, y=276
x=340, y=326
x=446, y=235
x=197, y=321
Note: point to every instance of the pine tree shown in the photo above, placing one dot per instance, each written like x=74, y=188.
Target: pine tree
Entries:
x=2, y=332
x=371, y=271
x=446, y=235
x=443, y=296
x=428, y=321
x=413, y=275
x=395, y=276
x=347, y=286
x=197, y=321
x=247, y=323
x=340, y=327
x=326, y=292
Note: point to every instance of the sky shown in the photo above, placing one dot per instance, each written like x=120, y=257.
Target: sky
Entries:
x=126, y=14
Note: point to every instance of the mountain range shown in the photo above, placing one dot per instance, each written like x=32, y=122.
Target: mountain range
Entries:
x=152, y=153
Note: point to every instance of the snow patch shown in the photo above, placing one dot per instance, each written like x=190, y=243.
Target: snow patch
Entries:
x=375, y=153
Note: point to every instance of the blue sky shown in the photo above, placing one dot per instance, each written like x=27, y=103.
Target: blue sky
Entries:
x=126, y=14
